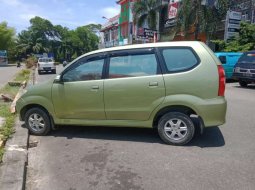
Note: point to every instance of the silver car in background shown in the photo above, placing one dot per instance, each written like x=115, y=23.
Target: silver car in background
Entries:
x=46, y=65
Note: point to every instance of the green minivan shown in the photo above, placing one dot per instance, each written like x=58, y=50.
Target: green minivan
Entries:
x=175, y=87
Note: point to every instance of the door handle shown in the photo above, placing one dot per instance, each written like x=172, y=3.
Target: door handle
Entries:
x=153, y=84
x=95, y=87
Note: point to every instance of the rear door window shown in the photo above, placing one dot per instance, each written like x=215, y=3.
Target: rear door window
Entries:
x=133, y=65
x=179, y=59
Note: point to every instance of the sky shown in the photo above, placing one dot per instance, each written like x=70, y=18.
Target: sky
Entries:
x=69, y=13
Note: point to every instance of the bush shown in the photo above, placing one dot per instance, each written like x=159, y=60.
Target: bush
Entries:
x=30, y=62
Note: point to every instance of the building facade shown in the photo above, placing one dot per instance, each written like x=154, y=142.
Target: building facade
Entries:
x=109, y=33
x=246, y=7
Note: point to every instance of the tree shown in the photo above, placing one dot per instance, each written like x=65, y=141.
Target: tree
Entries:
x=7, y=35
x=202, y=17
x=42, y=36
x=244, y=42
x=95, y=28
x=145, y=10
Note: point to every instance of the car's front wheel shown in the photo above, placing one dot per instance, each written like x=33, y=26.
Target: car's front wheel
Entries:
x=176, y=128
x=37, y=121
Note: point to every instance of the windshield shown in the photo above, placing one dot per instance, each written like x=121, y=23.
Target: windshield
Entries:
x=45, y=60
x=248, y=57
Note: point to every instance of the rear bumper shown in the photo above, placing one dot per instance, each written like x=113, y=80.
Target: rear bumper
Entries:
x=213, y=111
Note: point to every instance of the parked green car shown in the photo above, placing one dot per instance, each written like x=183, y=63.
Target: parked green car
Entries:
x=169, y=86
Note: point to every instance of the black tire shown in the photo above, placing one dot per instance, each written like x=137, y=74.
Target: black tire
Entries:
x=46, y=121
x=39, y=72
x=54, y=71
x=243, y=83
x=186, y=124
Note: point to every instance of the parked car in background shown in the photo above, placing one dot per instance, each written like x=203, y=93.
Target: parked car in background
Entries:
x=228, y=60
x=46, y=65
x=168, y=86
x=244, y=70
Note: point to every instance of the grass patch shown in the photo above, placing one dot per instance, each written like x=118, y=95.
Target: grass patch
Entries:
x=12, y=90
x=7, y=129
x=22, y=75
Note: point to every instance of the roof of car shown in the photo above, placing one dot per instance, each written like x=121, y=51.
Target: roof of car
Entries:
x=147, y=45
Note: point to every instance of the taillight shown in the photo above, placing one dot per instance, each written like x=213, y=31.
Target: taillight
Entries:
x=222, y=81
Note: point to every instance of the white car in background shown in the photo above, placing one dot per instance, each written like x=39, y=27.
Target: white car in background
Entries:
x=46, y=65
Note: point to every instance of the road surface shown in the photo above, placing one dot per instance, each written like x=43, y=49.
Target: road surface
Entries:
x=98, y=158
x=7, y=73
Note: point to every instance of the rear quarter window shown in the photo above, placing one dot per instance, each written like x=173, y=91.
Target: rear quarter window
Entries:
x=179, y=59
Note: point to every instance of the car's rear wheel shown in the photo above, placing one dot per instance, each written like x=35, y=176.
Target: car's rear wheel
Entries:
x=176, y=128
x=39, y=72
x=37, y=121
x=243, y=83
x=54, y=71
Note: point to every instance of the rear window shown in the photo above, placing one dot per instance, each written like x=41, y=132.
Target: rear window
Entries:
x=179, y=59
x=45, y=60
x=247, y=57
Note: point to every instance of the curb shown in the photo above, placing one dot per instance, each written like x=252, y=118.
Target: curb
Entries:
x=20, y=92
x=13, y=168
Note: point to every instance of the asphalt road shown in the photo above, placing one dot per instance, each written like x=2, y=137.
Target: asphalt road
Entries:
x=7, y=73
x=75, y=158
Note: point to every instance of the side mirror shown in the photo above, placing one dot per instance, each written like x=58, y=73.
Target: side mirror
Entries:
x=58, y=80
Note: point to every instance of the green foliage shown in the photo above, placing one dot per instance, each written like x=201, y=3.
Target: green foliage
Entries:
x=145, y=10
x=6, y=36
x=30, y=62
x=244, y=42
x=7, y=128
x=203, y=18
x=23, y=75
x=42, y=36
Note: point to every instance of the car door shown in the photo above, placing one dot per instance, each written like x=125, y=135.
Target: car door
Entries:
x=80, y=94
x=134, y=86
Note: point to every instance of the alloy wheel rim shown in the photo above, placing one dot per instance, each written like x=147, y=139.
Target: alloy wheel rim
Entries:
x=36, y=122
x=175, y=129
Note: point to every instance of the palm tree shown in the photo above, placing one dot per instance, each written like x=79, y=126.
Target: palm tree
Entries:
x=28, y=43
x=146, y=10
x=192, y=13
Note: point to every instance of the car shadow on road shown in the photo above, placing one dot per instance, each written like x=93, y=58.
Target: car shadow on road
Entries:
x=212, y=137
x=251, y=86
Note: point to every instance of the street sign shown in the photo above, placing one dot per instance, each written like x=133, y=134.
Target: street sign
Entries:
x=172, y=14
x=172, y=10
x=232, y=25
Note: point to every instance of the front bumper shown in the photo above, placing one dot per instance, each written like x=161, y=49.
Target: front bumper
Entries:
x=244, y=77
x=19, y=105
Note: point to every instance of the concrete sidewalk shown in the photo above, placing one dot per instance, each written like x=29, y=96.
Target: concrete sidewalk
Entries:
x=13, y=168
